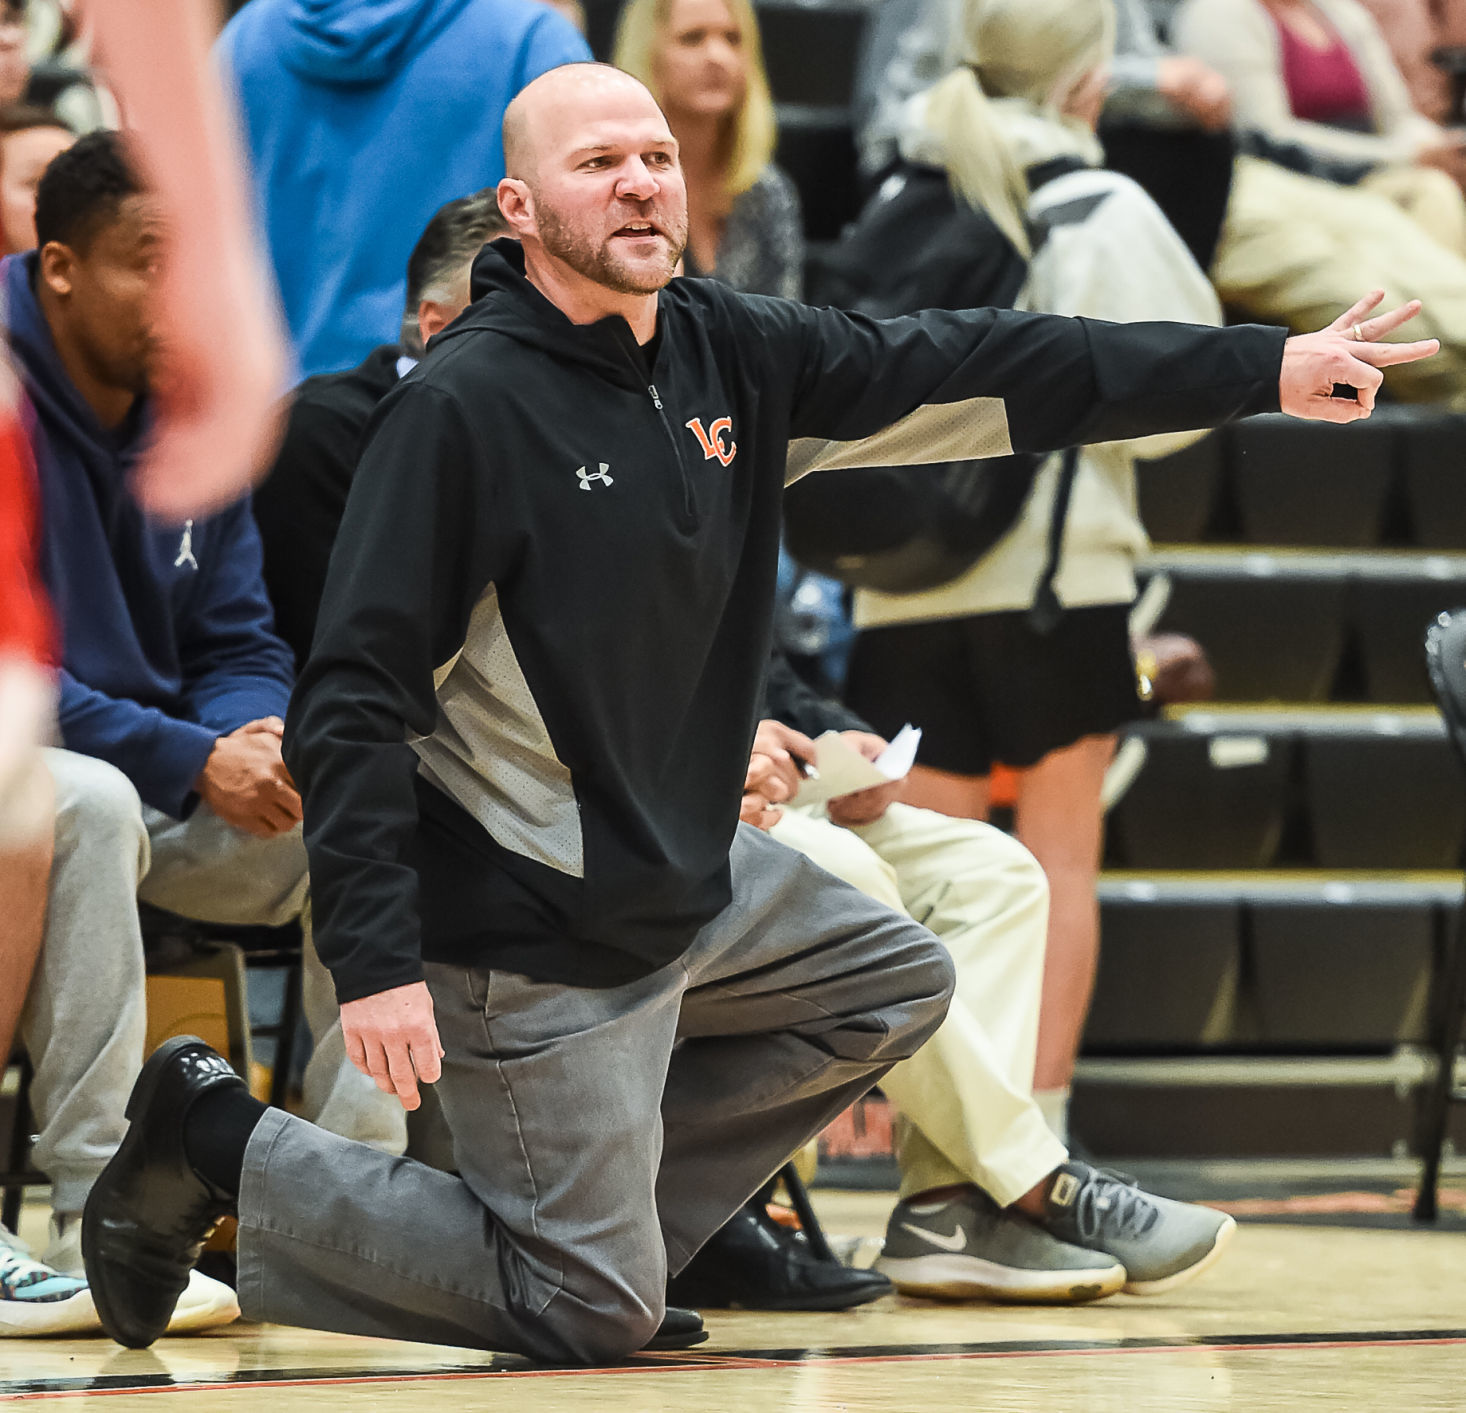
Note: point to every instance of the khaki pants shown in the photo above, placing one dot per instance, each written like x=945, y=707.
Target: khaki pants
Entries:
x=966, y=1097
x=1299, y=251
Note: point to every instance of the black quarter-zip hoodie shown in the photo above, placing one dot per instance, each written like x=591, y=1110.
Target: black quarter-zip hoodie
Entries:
x=524, y=725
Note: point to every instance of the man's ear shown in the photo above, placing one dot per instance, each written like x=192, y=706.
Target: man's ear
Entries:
x=56, y=264
x=517, y=205
x=433, y=317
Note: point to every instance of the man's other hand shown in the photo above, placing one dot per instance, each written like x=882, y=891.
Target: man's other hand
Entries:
x=393, y=1038
x=245, y=781
x=1348, y=353
x=864, y=806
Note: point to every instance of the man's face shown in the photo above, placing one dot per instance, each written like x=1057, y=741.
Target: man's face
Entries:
x=105, y=293
x=609, y=198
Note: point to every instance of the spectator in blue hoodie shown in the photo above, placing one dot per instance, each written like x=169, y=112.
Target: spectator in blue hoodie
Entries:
x=363, y=117
x=172, y=683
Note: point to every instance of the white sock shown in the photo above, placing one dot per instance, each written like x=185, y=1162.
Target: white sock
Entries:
x=1053, y=1104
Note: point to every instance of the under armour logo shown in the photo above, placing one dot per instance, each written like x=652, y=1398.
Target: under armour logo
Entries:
x=185, y=548
x=586, y=477
x=714, y=448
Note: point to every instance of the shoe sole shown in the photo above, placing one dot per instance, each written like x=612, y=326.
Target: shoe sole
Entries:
x=141, y=1096
x=970, y=1278
x=192, y=1321
x=77, y=1314
x=1225, y=1233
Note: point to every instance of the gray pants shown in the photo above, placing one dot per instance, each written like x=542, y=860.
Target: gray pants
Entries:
x=601, y=1135
x=84, y=1020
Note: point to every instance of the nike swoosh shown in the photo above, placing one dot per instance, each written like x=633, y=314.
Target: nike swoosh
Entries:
x=955, y=1242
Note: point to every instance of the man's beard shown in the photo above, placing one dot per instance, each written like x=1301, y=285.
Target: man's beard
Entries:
x=598, y=262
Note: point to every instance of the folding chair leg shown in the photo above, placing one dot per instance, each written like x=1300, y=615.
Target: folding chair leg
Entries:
x=285, y=1041
x=1448, y=1024
x=20, y=1147
x=814, y=1233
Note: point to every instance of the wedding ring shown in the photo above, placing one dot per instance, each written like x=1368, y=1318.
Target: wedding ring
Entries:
x=1358, y=334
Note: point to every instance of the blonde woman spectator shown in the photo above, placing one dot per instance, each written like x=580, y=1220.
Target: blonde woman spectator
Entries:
x=703, y=61
x=1319, y=73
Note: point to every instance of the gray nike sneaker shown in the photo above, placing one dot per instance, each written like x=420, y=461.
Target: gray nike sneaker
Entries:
x=1162, y=1244
x=971, y=1249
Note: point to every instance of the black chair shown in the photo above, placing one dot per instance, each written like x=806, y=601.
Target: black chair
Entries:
x=265, y=948
x=1445, y=660
x=18, y=1174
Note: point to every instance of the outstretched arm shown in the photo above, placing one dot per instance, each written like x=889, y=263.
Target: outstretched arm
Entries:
x=940, y=386
x=224, y=358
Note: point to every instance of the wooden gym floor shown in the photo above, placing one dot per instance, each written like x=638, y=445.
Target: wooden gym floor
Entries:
x=1295, y=1317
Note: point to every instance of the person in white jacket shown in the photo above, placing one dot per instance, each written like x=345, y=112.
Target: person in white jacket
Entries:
x=1015, y=129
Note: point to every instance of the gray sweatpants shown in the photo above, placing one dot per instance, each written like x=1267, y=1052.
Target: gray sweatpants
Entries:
x=601, y=1135
x=84, y=1019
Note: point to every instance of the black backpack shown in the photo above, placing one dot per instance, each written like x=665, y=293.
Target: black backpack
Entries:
x=902, y=529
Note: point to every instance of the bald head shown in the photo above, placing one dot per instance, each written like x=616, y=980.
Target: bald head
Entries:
x=547, y=113
x=594, y=189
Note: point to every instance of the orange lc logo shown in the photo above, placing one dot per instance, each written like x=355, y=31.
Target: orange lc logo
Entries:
x=712, y=440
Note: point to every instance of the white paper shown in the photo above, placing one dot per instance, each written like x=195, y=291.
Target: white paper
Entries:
x=842, y=770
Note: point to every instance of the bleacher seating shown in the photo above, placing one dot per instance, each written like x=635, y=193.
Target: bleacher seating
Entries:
x=1308, y=483
x=1275, y=1013
x=1208, y=796
x=1277, y=623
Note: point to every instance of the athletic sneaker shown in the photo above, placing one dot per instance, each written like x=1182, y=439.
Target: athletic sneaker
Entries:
x=37, y=1300
x=204, y=1303
x=1162, y=1244
x=968, y=1248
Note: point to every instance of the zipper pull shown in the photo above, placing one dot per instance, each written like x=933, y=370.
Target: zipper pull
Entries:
x=656, y=401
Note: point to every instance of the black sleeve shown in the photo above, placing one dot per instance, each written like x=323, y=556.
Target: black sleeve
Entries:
x=414, y=554
x=298, y=509
x=941, y=385
x=790, y=699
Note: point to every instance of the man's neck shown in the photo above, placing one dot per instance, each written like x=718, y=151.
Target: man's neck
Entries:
x=109, y=403
x=582, y=301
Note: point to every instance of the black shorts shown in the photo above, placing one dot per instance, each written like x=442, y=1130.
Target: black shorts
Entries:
x=988, y=689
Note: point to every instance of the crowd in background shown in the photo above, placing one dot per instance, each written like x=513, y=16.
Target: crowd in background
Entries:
x=1203, y=161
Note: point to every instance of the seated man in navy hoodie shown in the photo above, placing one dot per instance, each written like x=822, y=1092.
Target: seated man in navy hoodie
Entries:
x=172, y=683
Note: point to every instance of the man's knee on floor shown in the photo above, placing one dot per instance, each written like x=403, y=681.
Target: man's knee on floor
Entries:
x=606, y=1317
x=96, y=805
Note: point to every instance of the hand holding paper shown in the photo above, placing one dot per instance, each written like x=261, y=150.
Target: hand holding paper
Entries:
x=841, y=769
